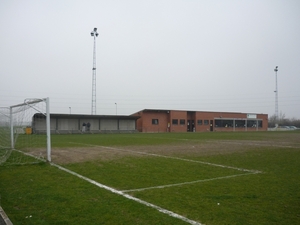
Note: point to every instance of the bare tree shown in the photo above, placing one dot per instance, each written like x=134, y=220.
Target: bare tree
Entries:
x=283, y=121
x=272, y=121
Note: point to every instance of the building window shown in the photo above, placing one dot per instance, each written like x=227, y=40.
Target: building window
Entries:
x=227, y=123
x=251, y=123
x=155, y=121
x=259, y=123
x=206, y=122
x=175, y=121
x=199, y=122
x=240, y=123
x=182, y=122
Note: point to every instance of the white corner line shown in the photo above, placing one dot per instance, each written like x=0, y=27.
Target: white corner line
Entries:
x=162, y=210
x=184, y=183
x=171, y=157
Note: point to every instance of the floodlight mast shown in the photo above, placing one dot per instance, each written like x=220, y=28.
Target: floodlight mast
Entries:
x=276, y=97
x=94, y=34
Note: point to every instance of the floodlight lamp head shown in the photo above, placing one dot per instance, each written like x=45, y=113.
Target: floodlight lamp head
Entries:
x=94, y=32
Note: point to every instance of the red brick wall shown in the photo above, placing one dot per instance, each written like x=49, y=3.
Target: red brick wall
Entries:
x=178, y=115
x=139, y=122
x=264, y=118
x=144, y=124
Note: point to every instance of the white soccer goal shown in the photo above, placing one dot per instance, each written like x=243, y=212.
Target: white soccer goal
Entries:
x=25, y=132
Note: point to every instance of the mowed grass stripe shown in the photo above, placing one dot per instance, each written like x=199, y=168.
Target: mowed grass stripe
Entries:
x=44, y=195
x=140, y=172
x=171, y=157
x=158, y=208
x=186, y=183
x=271, y=197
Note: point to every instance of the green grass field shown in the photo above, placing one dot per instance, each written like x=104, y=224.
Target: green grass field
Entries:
x=205, y=178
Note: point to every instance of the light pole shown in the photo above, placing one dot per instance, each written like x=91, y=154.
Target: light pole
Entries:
x=116, y=108
x=276, y=97
x=94, y=34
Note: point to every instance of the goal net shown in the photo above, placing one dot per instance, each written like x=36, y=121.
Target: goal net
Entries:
x=25, y=132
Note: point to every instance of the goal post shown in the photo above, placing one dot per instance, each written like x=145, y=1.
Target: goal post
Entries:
x=19, y=123
x=48, y=131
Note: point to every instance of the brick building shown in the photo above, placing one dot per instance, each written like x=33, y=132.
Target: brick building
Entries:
x=155, y=120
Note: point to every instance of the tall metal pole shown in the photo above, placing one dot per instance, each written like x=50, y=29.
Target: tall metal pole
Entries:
x=94, y=34
x=276, y=97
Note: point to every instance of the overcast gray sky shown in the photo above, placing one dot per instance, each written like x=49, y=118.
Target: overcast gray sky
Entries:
x=204, y=55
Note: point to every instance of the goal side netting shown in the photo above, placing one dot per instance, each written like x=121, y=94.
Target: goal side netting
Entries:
x=25, y=132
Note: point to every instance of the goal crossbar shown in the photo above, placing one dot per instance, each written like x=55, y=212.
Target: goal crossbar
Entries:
x=30, y=102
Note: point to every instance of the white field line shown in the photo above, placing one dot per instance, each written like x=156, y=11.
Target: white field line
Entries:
x=162, y=210
x=184, y=183
x=257, y=144
x=176, y=139
x=33, y=156
x=5, y=217
x=171, y=157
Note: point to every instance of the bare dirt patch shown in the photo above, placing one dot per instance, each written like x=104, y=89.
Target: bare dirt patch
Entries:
x=82, y=154
x=191, y=148
x=72, y=155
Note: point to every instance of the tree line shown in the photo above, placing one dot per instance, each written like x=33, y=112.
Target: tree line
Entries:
x=283, y=121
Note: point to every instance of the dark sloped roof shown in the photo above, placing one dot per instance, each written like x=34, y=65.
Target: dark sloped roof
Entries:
x=84, y=116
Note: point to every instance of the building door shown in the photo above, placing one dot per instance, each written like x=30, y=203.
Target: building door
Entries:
x=211, y=125
x=188, y=126
x=193, y=126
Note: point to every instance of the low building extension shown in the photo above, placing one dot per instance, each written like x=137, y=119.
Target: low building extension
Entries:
x=78, y=123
